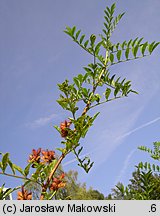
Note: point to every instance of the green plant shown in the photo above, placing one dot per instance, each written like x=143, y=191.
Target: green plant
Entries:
x=155, y=154
x=74, y=190
x=143, y=186
x=5, y=192
x=78, y=98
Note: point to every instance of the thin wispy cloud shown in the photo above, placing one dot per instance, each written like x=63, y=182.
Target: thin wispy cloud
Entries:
x=125, y=166
x=115, y=141
x=42, y=121
x=138, y=128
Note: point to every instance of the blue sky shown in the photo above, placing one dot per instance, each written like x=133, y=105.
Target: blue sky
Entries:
x=36, y=55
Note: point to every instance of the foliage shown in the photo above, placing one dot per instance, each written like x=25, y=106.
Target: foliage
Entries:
x=143, y=186
x=77, y=191
x=37, y=175
x=85, y=87
x=155, y=154
x=5, y=192
x=78, y=98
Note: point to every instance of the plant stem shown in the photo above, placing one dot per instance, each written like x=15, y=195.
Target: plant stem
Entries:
x=56, y=166
x=52, y=173
x=19, y=177
x=106, y=101
x=15, y=176
x=52, y=195
x=95, y=85
x=87, y=107
x=130, y=59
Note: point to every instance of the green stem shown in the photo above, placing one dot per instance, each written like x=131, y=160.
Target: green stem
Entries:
x=19, y=177
x=52, y=195
x=88, y=106
x=130, y=59
x=106, y=101
x=83, y=47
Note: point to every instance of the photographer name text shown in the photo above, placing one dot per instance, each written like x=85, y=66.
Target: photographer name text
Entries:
x=59, y=208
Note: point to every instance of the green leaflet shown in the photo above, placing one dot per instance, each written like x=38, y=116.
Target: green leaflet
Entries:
x=11, y=166
x=143, y=48
x=77, y=82
x=92, y=39
x=77, y=34
x=5, y=159
x=134, y=42
x=18, y=168
x=152, y=46
x=107, y=93
x=86, y=43
x=27, y=169
x=111, y=57
x=135, y=50
x=119, y=54
x=127, y=53
x=81, y=39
